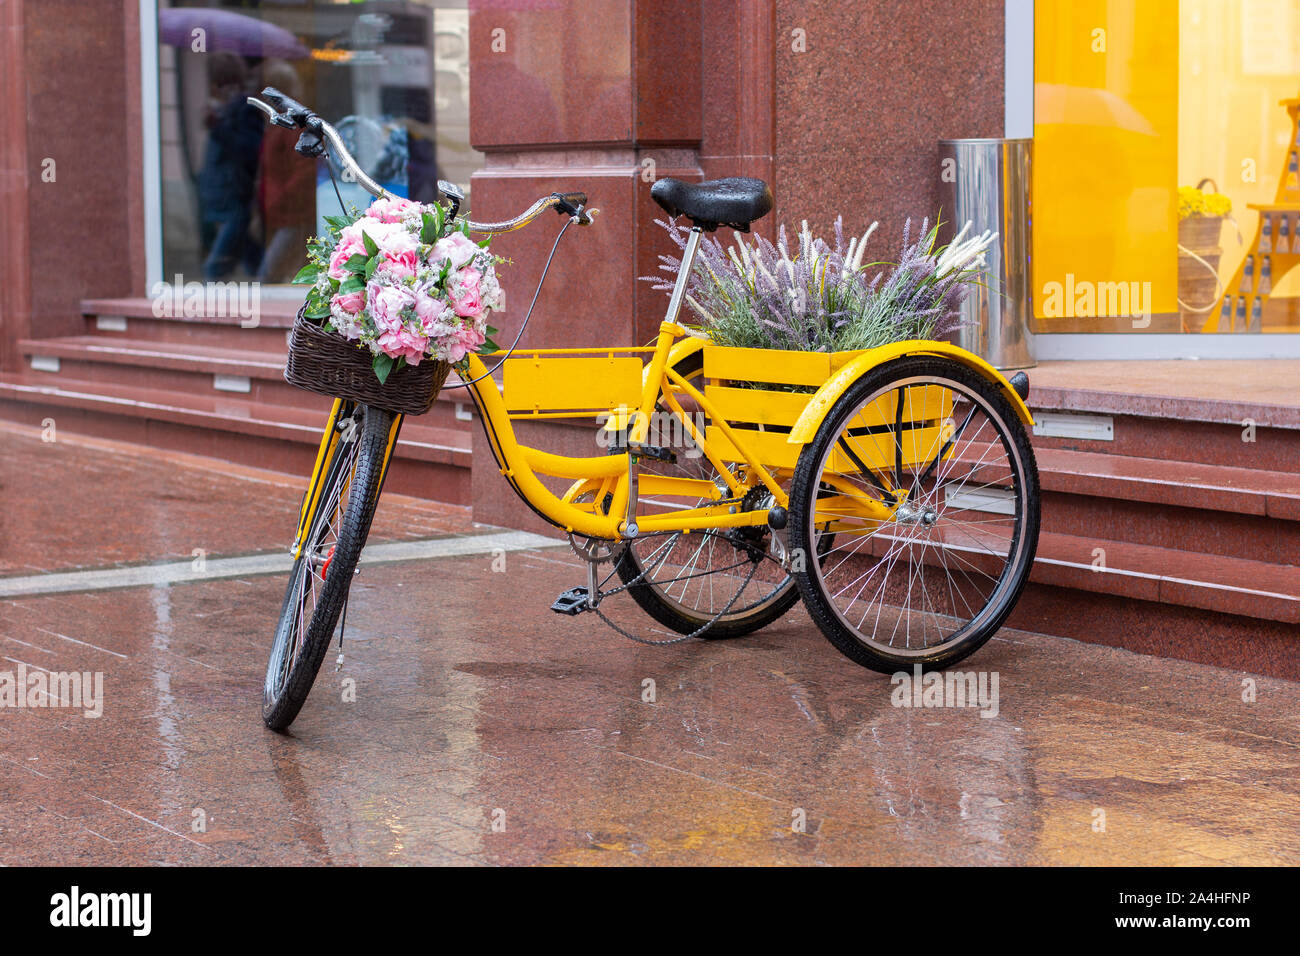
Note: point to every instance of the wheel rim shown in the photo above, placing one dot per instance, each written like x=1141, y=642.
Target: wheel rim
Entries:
x=939, y=569
x=317, y=555
x=699, y=574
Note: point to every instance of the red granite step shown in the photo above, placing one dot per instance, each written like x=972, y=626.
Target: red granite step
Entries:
x=272, y=311
x=1258, y=589
x=285, y=423
x=191, y=368
x=1185, y=484
x=1220, y=391
x=117, y=350
x=1236, y=445
x=1211, y=532
x=1249, y=513
x=1213, y=582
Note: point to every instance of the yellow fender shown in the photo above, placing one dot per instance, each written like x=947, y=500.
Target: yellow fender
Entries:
x=684, y=347
x=805, y=428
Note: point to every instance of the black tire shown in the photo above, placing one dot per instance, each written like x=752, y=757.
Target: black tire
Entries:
x=677, y=617
x=335, y=536
x=760, y=602
x=934, y=526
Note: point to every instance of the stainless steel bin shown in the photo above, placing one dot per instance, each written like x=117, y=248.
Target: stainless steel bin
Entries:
x=987, y=181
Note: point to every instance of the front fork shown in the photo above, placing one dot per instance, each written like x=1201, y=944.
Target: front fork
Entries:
x=339, y=428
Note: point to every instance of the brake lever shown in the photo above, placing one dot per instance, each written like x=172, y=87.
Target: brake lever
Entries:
x=310, y=144
x=275, y=118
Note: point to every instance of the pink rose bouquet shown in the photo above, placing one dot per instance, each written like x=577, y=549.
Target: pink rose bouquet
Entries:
x=403, y=282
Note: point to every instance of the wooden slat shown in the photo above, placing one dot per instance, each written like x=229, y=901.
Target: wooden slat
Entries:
x=549, y=384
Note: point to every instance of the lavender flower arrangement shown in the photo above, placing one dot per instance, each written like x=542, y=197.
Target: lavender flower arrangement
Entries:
x=823, y=298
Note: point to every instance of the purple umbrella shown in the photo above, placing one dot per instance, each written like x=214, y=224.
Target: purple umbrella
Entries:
x=228, y=32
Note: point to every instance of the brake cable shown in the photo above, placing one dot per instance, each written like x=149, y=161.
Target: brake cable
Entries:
x=545, y=269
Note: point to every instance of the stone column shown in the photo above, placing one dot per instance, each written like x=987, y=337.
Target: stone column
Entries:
x=600, y=96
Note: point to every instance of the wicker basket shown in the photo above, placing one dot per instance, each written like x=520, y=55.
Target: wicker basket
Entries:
x=326, y=363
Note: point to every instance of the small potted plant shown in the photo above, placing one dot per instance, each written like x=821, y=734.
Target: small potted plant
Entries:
x=1201, y=213
x=399, y=294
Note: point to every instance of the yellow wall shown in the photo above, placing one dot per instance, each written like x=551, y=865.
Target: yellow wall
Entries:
x=1105, y=152
x=1239, y=57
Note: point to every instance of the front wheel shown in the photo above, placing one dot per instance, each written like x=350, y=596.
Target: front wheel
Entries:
x=345, y=499
x=923, y=472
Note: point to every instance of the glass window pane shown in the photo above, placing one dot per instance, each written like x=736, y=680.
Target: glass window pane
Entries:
x=1165, y=135
x=391, y=75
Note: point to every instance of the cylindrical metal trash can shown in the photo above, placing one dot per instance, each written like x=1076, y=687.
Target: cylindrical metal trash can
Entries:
x=987, y=182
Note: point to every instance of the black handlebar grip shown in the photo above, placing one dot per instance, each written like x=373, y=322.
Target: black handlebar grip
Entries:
x=288, y=106
x=568, y=204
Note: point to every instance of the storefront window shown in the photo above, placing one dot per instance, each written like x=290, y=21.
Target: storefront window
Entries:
x=1166, y=196
x=238, y=202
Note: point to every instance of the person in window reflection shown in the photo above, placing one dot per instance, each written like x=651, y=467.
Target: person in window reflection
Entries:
x=226, y=180
x=286, y=187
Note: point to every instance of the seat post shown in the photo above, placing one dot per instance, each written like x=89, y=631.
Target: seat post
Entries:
x=683, y=275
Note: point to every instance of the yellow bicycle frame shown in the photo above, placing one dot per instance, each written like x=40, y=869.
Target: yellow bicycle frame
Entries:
x=609, y=478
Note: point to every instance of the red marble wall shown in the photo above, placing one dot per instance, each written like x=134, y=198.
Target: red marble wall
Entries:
x=600, y=96
x=75, y=92
x=860, y=112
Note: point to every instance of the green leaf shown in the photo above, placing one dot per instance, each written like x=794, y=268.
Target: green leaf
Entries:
x=488, y=346
x=318, y=309
x=352, y=284
x=356, y=263
x=371, y=248
x=383, y=365
x=429, y=231
x=307, y=275
x=372, y=265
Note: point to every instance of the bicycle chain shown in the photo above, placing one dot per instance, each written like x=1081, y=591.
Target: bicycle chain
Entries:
x=673, y=640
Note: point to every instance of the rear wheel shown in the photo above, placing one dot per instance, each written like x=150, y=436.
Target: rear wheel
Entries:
x=935, y=520
x=322, y=574
x=685, y=580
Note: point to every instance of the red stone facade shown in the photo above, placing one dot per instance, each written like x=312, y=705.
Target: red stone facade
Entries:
x=70, y=94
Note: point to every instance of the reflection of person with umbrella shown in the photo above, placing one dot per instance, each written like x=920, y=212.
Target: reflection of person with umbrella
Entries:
x=225, y=182
x=287, y=187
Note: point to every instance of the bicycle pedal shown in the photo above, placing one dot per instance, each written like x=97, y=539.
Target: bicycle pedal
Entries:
x=654, y=453
x=571, y=602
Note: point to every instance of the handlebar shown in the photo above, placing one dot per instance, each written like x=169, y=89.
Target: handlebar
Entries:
x=288, y=113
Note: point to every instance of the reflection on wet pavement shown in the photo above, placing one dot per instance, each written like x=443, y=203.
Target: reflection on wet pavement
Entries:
x=471, y=725
x=77, y=503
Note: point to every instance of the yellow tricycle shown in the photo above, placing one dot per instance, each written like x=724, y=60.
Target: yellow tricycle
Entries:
x=893, y=489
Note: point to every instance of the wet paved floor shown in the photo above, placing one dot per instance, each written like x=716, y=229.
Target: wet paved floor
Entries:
x=485, y=729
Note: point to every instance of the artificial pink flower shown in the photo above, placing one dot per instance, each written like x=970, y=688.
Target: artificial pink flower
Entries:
x=351, y=303
x=403, y=343
x=392, y=209
x=463, y=290
x=430, y=311
x=386, y=305
x=402, y=265
x=455, y=248
x=464, y=340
